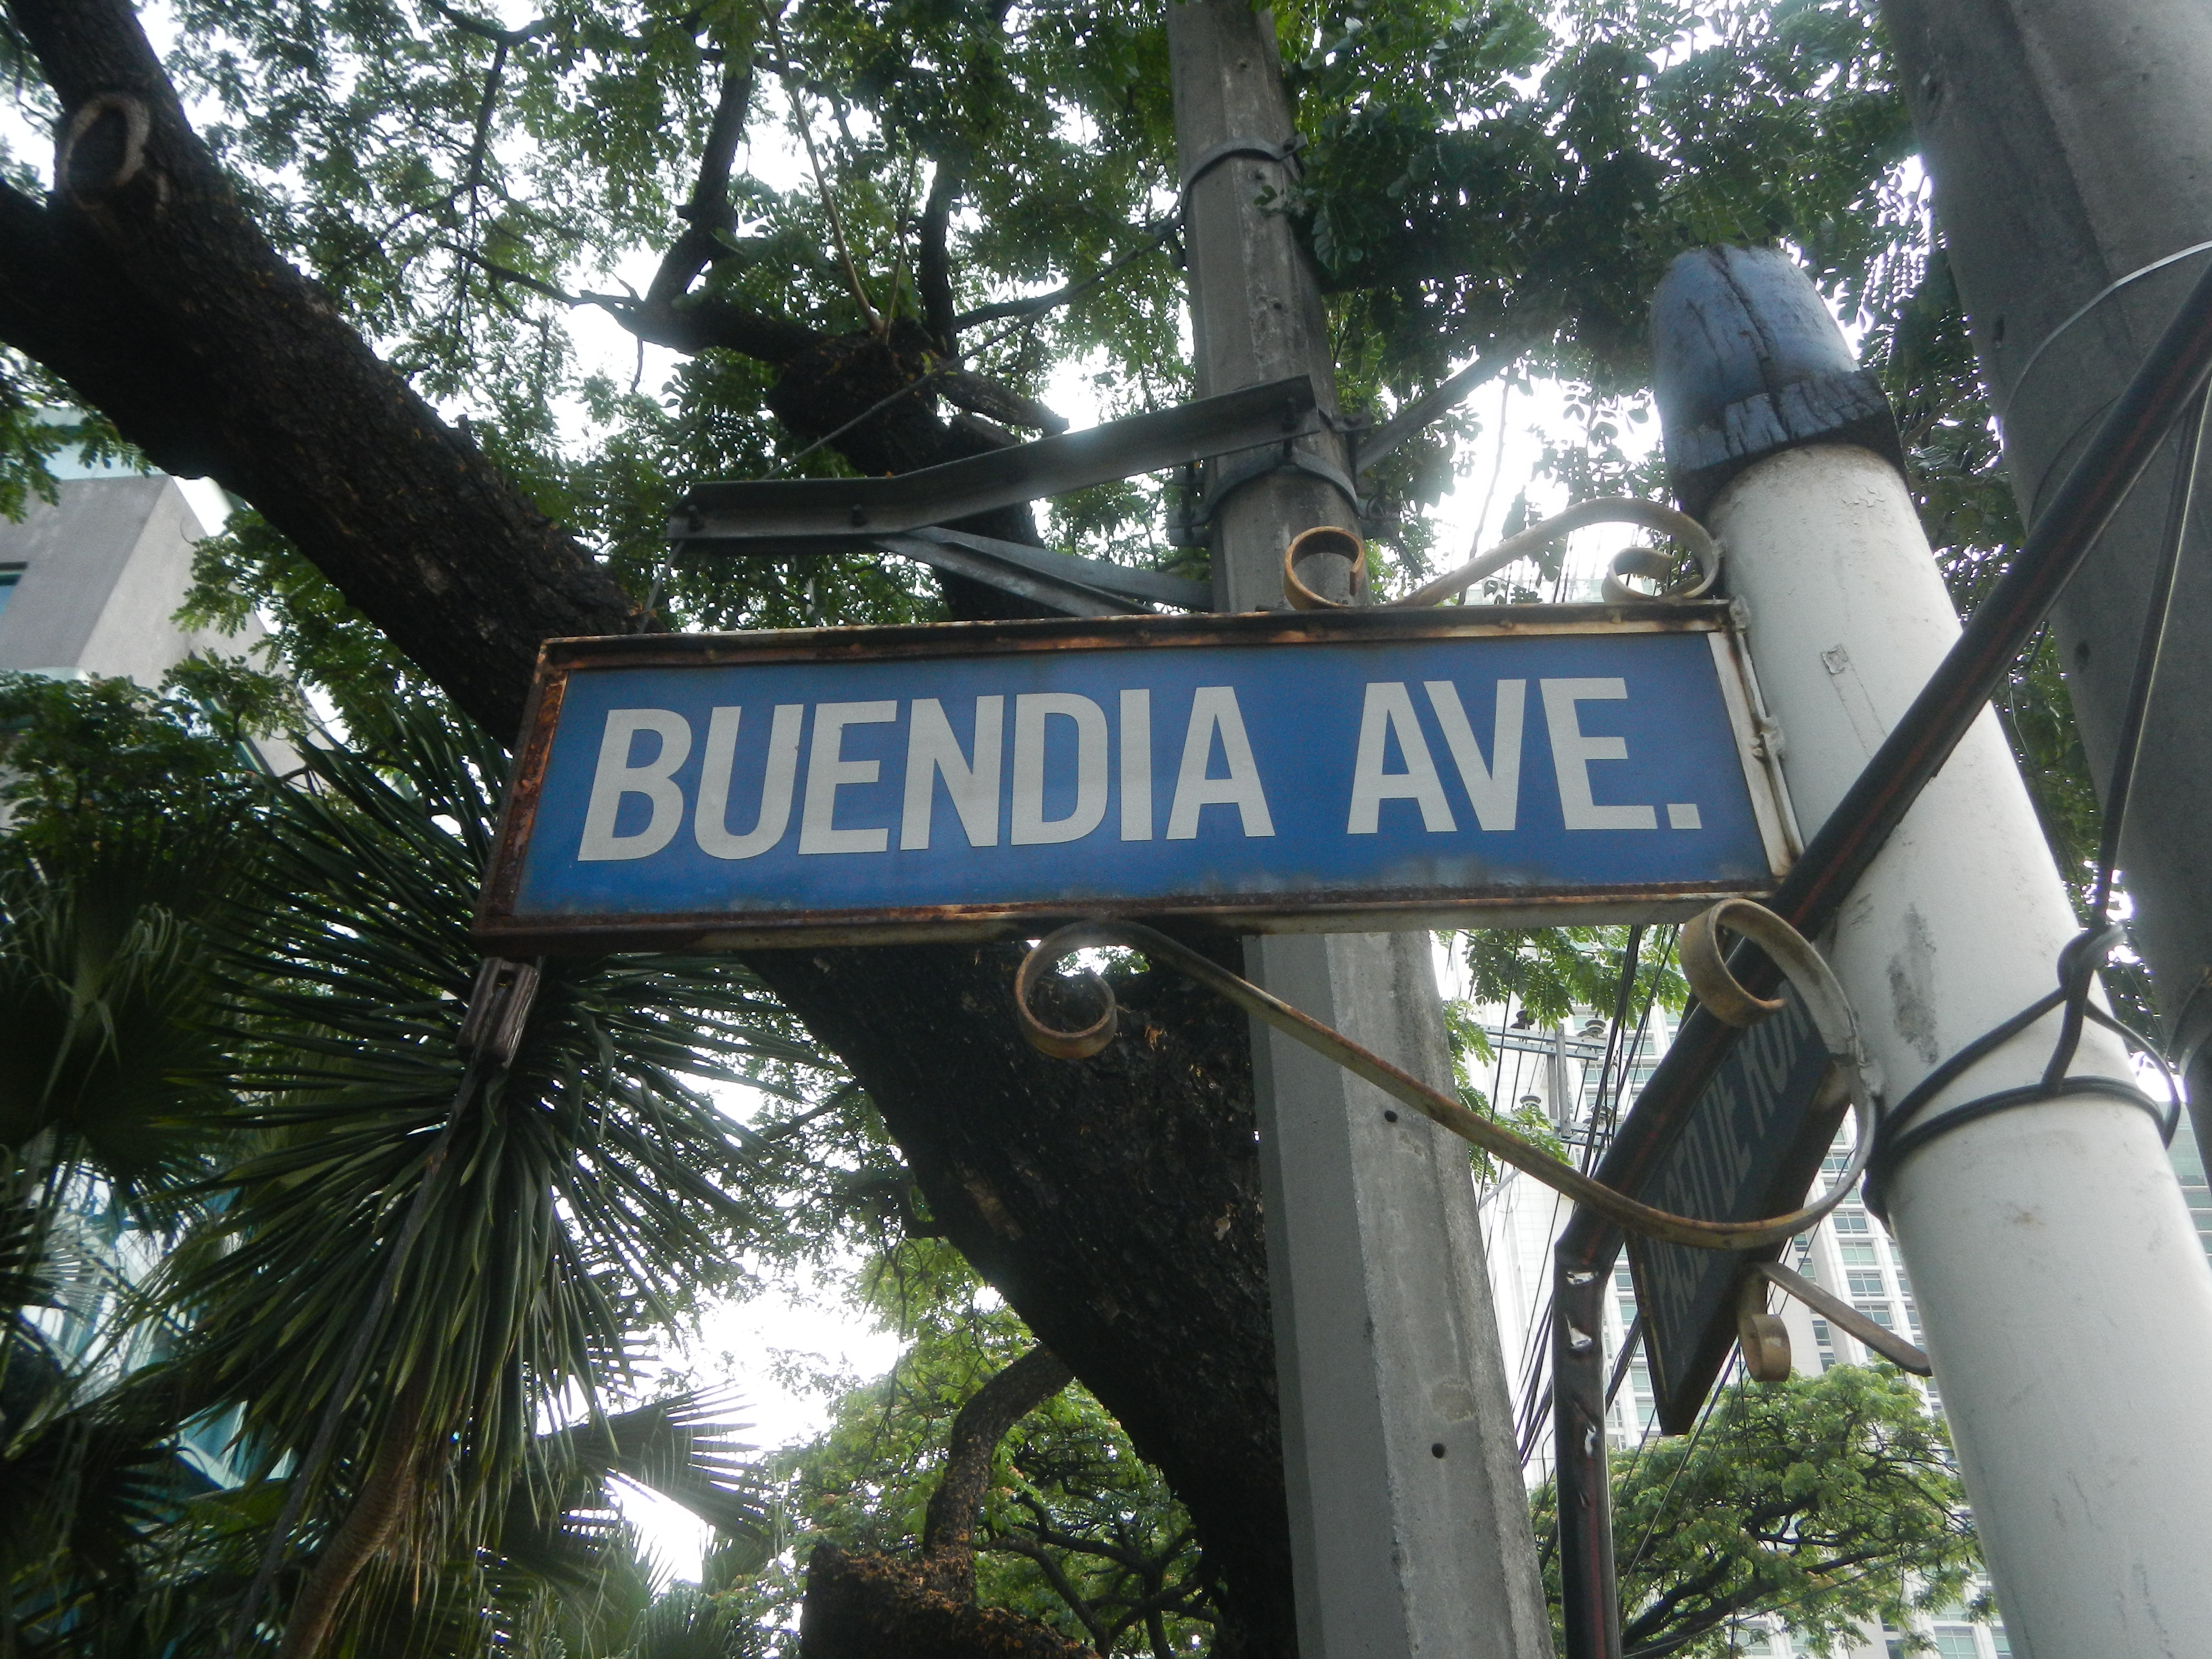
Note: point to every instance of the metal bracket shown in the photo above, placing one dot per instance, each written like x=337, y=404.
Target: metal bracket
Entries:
x=1888, y=1343
x=1073, y=586
x=499, y=1008
x=1229, y=147
x=1062, y=581
x=1192, y=530
x=739, y=515
x=1764, y=1339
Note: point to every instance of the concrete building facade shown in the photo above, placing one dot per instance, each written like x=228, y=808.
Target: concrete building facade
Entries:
x=90, y=583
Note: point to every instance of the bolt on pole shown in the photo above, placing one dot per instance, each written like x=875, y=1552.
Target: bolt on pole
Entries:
x=1409, y=1522
x=2067, y=1302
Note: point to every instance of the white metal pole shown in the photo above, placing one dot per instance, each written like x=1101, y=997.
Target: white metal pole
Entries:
x=2065, y=1296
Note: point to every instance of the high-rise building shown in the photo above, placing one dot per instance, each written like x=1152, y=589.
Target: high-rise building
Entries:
x=90, y=583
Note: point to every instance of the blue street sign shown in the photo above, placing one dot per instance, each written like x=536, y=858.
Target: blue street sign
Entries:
x=1342, y=771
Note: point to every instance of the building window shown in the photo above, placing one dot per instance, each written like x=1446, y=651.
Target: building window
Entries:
x=1857, y=1253
x=1879, y=1312
x=1824, y=1343
x=1867, y=1285
x=1956, y=1642
x=1851, y=1221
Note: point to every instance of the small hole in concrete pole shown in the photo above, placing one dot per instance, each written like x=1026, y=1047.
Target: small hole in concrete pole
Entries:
x=1436, y=1450
x=1390, y=1117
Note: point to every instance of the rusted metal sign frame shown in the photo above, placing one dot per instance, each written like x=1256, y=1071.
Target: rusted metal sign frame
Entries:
x=498, y=927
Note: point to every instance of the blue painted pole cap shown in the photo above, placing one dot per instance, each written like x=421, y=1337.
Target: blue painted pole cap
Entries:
x=1748, y=362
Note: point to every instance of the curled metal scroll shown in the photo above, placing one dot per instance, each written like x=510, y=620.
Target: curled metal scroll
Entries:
x=1327, y=539
x=1824, y=1000
x=1610, y=509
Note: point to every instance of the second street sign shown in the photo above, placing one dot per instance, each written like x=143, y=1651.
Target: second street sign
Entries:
x=1342, y=771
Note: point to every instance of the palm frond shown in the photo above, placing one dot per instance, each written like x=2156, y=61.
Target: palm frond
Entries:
x=683, y=1449
x=593, y=1191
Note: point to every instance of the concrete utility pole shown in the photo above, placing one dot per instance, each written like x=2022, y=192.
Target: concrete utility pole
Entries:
x=2067, y=1303
x=1409, y=1524
x=2071, y=144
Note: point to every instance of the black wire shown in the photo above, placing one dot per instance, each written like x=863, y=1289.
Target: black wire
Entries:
x=1642, y=1025
x=1613, y=1040
x=1898, y=1133
x=2137, y=720
x=1697, y=1434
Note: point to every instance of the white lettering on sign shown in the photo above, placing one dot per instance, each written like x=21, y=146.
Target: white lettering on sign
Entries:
x=827, y=770
x=617, y=779
x=1495, y=789
x=1389, y=712
x=974, y=775
x=1213, y=708
x=931, y=749
x=1572, y=752
x=710, y=826
x=1137, y=765
x=1032, y=710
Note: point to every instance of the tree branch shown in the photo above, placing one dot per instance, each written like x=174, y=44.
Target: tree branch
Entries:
x=700, y=322
x=483, y=31
x=994, y=400
x=934, y=265
x=697, y=322
x=1037, y=304
x=1012, y=1395
x=473, y=173
x=1432, y=403
x=162, y=303
x=708, y=214
x=1059, y=1580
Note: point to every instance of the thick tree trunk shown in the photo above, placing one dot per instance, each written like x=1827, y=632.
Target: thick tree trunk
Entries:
x=148, y=288
x=870, y=1607
x=1114, y=1202
x=875, y=1606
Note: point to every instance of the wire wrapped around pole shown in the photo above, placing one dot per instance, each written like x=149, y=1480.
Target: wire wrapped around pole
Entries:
x=1823, y=997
